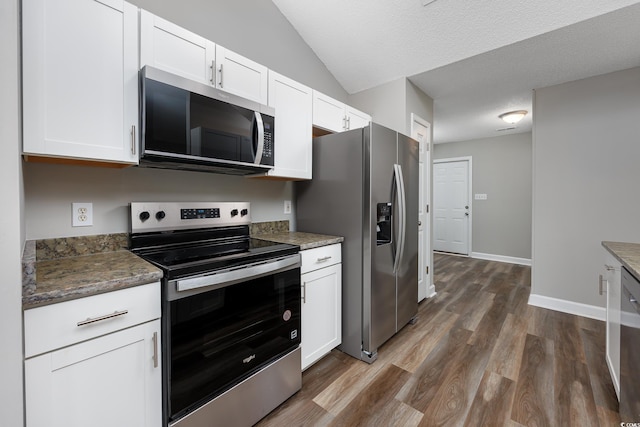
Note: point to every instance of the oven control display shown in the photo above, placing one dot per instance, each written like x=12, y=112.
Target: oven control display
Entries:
x=199, y=213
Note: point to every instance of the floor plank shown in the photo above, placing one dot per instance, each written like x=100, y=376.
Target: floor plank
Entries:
x=478, y=354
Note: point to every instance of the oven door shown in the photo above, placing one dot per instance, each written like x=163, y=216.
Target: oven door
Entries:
x=219, y=335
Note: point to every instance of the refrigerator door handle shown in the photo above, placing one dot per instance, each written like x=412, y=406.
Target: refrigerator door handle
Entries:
x=399, y=181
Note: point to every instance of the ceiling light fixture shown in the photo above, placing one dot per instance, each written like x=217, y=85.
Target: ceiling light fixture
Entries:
x=513, y=117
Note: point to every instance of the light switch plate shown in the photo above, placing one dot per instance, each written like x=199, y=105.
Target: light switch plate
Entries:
x=82, y=214
x=480, y=197
x=287, y=206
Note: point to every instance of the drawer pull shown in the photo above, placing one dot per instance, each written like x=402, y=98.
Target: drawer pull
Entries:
x=609, y=267
x=155, y=349
x=101, y=318
x=325, y=258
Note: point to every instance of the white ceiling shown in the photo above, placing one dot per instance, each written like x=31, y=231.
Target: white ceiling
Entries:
x=476, y=59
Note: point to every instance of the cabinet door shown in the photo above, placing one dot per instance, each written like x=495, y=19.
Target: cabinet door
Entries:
x=321, y=313
x=328, y=113
x=169, y=47
x=80, y=79
x=109, y=381
x=356, y=118
x=241, y=76
x=293, y=149
x=612, y=275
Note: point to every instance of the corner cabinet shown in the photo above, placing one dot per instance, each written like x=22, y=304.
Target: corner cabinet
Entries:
x=80, y=79
x=321, y=302
x=335, y=116
x=612, y=279
x=292, y=102
x=95, y=361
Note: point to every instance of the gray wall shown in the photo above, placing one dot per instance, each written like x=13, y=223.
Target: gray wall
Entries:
x=51, y=189
x=11, y=229
x=252, y=28
x=586, y=148
x=391, y=104
x=501, y=225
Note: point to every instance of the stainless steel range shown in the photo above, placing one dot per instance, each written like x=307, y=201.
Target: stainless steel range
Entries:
x=230, y=312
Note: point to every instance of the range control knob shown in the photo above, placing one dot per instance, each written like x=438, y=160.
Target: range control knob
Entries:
x=234, y=212
x=144, y=215
x=160, y=215
x=244, y=212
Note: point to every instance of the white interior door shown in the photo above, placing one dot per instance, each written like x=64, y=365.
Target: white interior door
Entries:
x=451, y=205
x=421, y=132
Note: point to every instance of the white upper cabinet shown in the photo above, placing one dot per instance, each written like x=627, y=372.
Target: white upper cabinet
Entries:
x=80, y=79
x=333, y=115
x=356, y=118
x=241, y=76
x=171, y=48
x=293, y=140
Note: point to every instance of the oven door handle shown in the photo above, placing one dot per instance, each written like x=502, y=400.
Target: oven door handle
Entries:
x=233, y=275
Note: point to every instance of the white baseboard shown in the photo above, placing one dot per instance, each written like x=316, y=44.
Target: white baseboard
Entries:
x=431, y=291
x=579, y=309
x=501, y=258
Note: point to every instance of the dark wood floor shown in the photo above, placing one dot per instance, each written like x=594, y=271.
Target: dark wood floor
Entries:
x=477, y=356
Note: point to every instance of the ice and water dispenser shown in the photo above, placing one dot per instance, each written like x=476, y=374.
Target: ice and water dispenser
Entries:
x=383, y=235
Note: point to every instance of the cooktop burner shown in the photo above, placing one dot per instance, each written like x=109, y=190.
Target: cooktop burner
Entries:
x=194, y=238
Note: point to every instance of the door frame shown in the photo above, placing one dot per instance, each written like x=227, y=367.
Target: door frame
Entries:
x=427, y=199
x=469, y=160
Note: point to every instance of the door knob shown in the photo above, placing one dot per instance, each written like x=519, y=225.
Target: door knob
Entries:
x=419, y=223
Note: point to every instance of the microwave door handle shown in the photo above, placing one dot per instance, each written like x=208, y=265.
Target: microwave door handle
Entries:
x=260, y=142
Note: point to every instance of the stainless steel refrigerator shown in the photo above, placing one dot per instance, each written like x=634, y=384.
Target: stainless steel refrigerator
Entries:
x=365, y=188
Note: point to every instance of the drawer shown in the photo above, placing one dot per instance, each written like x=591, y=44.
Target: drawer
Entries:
x=324, y=256
x=54, y=326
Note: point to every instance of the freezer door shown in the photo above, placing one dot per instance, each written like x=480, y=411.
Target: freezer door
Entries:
x=379, y=308
x=407, y=271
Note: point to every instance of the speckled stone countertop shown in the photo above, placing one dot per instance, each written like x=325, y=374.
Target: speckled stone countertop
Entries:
x=304, y=240
x=278, y=231
x=56, y=270
x=627, y=253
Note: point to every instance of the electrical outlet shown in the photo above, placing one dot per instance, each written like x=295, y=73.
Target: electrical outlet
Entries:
x=287, y=206
x=82, y=214
x=481, y=197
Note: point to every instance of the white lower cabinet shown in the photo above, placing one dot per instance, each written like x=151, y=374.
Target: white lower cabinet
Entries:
x=321, y=302
x=109, y=380
x=612, y=277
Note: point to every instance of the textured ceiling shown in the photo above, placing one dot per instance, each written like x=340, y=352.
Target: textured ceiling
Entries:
x=476, y=59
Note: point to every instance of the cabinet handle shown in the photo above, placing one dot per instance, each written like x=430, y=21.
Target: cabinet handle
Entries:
x=304, y=293
x=133, y=140
x=324, y=258
x=221, y=75
x=344, y=122
x=101, y=318
x=348, y=123
x=600, y=285
x=609, y=267
x=155, y=349
x=213, y=73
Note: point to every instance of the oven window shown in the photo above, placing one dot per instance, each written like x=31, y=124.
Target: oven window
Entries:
x=220, y=337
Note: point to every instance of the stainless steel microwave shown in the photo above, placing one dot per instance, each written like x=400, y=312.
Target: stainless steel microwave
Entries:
x=189, y=125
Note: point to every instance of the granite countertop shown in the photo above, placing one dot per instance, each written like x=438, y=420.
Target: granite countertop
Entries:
x=627, y=253
x=304, y=240
x=57, y=270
